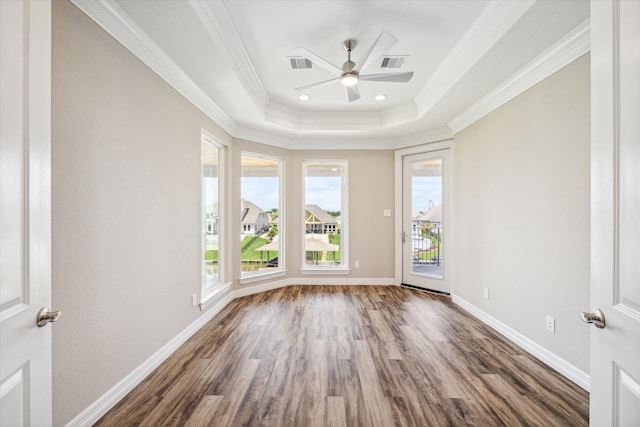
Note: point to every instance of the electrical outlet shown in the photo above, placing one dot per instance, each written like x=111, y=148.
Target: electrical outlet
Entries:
x=486, y=293
x=356, y=264
x=550, y=324
x=194, y=300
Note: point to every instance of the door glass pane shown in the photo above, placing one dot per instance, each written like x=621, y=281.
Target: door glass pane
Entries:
x=426, y=235
x=260, y=214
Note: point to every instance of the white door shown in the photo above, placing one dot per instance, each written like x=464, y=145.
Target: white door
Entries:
x=25, y=212
x=425, y=220
x=615, y=207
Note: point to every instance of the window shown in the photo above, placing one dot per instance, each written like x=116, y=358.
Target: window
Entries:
x=325, y=215
x=261, y=215
x=212, y=195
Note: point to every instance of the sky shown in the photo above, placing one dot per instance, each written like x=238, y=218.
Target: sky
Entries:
x=325, y=192
x=426, y=189
x=263, y=192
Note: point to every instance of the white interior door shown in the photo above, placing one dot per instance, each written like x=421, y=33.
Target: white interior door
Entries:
x=25, y=212
x=615, y=201
x=425, y=220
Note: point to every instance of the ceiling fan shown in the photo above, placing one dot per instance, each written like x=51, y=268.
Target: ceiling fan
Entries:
x=349, y=75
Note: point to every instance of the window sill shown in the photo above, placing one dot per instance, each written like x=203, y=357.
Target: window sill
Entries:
x=326, y=271
x=262, y=276
x=213, y=293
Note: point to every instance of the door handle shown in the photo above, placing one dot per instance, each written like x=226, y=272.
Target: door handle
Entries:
x=45, y=316
x=596, y=317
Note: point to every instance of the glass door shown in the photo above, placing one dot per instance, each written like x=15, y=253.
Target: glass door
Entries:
x=425, y=254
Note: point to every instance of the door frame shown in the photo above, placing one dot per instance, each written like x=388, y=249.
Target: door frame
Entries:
x=441, y=144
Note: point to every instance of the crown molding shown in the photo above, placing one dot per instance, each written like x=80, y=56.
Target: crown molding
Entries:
x=326, y=120
x=314, y=141
x=427, y=137
x=340, y=120
x=400, y=114
x=115, y=22
x=496, y=19
x=218, y=24
x=568, y=49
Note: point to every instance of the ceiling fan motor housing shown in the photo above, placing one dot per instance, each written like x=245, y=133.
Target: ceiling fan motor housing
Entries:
x=349, y=65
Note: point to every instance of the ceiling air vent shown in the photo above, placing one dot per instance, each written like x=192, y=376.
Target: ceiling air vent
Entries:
x=299, y=63
x=393, y=61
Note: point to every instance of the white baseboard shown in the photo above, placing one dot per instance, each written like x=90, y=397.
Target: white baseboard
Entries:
x=263, y=287
x=107, y=401
x=250, y=290
x=571, y=372
x=101, y=406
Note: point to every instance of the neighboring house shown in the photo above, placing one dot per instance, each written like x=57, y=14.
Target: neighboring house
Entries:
x=318, y=221
x=432, y=216
x=254, y=220
x=211, y=219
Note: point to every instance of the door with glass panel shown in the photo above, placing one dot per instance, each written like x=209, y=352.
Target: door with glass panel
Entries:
x=425, y=222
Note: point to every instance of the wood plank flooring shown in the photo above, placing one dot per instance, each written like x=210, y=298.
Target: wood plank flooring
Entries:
x=350, y=356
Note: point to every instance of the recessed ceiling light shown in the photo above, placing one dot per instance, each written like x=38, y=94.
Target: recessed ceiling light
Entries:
x=381, y=97
x=304, y=97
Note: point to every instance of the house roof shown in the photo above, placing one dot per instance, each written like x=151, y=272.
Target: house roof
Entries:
x=432, y=215
x=250, y=212
x=319, y=213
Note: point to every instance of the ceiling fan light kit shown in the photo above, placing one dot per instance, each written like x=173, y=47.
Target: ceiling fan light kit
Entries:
x=349, y=79
x=349, y=74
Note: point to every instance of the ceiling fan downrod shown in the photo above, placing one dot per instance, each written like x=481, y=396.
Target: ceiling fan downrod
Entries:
x=350, y=77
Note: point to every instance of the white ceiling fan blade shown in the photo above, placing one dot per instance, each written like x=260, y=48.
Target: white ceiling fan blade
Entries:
x=353, y=93
x=316, y=84
x=388, y=77
x=320, y=62
x=383, y=43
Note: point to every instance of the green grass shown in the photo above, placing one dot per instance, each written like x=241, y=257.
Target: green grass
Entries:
x=249, y=245
x=336, y=240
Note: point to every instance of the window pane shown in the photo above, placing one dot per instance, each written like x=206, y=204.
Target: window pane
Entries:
x=209, y=159
x=427, y=217
x=324, y=187
x=260, y=214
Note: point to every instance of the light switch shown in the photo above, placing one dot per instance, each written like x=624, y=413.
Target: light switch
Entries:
x=387, y=212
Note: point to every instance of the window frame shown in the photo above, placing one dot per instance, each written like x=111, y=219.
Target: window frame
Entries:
x=342, y=268
x=247, y=277
x=209, y=290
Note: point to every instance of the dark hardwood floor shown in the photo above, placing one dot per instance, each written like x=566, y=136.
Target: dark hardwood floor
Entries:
x=350, y=356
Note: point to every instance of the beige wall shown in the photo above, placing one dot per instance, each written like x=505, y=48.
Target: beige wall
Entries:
x=521, y=212
x=125, y=211
x=370, y=192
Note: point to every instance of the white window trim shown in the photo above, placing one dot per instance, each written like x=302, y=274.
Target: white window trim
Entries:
x=209, y=290
x=263, y=275
x=343, y=267
x=254, y=276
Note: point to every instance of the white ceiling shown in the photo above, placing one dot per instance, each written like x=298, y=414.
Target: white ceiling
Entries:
x=231, y=59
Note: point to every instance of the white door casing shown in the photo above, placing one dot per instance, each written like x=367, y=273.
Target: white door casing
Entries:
x=25, y=211
x=615, y=212
x=412, y=274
